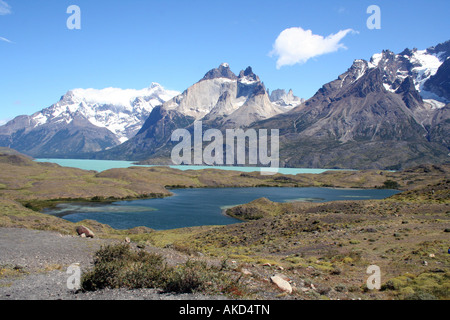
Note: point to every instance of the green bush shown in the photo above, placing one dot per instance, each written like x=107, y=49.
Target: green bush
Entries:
x=390, y=184
x=119, y=266
x=188, y=277
x=425, y=286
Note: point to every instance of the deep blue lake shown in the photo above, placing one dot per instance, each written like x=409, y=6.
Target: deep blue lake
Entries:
x=197, y=207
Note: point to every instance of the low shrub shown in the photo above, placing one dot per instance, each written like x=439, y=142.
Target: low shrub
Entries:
x=425, y=286
x=119, y=266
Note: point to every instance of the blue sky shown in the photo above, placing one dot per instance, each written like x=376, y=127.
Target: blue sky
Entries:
x=129, y=44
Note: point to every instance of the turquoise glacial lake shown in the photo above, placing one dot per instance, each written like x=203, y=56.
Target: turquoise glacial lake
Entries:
x=102, y=165
x=197, y=207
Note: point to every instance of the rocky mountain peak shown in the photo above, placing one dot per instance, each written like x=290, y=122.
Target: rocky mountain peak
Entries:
x=155, y=85
x=442, y=50
x=68, y=97
x=408, y=52
x=248, y=75
x=382, y=57
x=283, y=99
x=223, y=71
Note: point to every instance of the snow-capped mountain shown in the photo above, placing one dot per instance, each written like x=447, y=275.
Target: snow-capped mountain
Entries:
x=121, y=111
x=421, y=65
x=389, y=112
x=221, y=99
x=100, y=119
x=221, y=95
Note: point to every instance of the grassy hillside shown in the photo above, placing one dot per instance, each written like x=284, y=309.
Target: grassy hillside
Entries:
x=323, y=248
x=332, y=244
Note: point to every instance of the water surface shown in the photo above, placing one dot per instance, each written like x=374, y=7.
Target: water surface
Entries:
x=102, y=165
x=197, y=207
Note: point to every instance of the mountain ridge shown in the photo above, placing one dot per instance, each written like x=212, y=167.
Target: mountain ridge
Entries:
x=358, y=119
x=103, y=119
x=394, y=101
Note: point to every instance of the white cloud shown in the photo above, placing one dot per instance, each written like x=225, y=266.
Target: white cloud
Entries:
x=4, y=8
x=6, y=40
x=296, y=46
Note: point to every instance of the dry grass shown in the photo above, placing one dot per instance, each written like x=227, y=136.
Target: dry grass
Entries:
x=328, y=244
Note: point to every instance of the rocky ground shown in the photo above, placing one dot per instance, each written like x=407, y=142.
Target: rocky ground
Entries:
x=33, y=266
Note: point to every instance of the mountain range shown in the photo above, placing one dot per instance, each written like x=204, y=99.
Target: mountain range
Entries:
x=389, y=112
x=83, y=121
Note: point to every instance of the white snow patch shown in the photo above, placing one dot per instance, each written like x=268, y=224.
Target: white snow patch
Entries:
x=247, y=81
x=388, y=87
x=376, y=58
x=240, y=103
x=40, y=119
x=222, y=80
x=434, y=103
x=427, y=66
x=343, y=80
x=361, y=72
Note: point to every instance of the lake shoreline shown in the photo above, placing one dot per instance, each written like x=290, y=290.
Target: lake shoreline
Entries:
x=27, y=184
x=193, y=207
x=96, y=165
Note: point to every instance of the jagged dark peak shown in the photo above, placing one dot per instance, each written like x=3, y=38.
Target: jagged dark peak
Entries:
x=407, y=52
x=371, y=82
x=358, y=65
x=386, y=54
x=383, y=56
x=247, y=72
x=358, y=69
x=248, y=75
x=223, y=71
x=406, y=86
x=411, y=96
x=442, y=48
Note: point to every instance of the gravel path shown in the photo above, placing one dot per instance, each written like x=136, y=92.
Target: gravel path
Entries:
x=41, y=259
